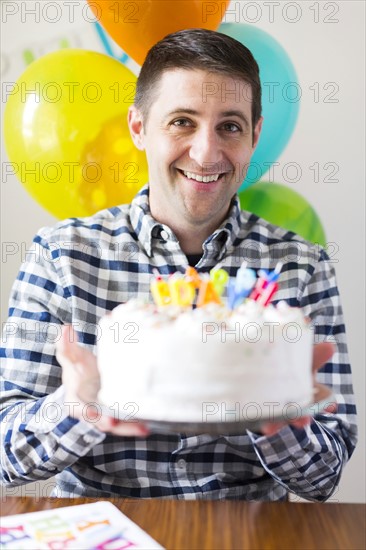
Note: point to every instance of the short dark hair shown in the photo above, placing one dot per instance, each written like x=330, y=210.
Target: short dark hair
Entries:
x=198, y=49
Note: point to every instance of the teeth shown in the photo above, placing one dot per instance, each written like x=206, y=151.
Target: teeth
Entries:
x=204, y=179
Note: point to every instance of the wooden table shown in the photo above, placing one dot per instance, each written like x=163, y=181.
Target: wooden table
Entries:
x=227, y=525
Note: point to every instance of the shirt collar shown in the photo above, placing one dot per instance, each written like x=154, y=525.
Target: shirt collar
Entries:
x=224, y=237
x=147, y=228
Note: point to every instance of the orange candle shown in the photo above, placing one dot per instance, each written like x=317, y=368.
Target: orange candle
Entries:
x=192, y=277
x=207, y=294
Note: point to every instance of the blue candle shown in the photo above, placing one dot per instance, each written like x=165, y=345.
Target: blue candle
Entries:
x=240, y=288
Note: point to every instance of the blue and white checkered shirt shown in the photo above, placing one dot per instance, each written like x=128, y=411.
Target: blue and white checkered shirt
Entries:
x=82, y=268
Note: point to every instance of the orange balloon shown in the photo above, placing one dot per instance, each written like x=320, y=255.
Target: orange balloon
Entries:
x=136, y=26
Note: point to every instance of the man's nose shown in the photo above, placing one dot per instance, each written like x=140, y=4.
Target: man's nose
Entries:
x=206, y=148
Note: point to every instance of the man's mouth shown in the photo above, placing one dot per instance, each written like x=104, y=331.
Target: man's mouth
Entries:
x=202, y=178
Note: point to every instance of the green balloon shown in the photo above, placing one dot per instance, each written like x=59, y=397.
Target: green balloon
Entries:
x=282, y=206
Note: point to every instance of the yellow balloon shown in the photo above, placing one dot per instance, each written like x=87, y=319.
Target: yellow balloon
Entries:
x=66, y=133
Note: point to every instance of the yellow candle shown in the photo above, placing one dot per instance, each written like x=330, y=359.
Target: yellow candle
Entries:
x=182, y=292
x=161, y=293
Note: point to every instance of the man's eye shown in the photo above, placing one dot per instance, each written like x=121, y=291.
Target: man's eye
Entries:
x=181, y=122
x=231, y=127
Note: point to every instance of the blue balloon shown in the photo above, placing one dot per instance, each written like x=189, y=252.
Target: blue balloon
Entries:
x=281, y=95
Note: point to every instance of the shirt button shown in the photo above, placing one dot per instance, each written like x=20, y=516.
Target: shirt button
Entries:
x=181, y=463
x=88, y=438
x=164, y=235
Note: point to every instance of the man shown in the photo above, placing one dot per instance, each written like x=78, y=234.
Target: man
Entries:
x=197, y=114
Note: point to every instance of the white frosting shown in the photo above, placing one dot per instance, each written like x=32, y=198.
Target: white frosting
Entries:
x=207, y=364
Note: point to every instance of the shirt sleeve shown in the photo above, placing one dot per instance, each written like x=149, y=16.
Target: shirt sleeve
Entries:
x=39, y=436
x=309, y=461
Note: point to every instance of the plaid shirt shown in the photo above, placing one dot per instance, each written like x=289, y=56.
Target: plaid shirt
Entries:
x=82, y=268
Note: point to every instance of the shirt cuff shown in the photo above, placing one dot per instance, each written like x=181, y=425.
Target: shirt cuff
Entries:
x=286, y=442
x=53, y=417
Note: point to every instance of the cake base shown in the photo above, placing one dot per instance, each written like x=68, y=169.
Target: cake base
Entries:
x=237, y=424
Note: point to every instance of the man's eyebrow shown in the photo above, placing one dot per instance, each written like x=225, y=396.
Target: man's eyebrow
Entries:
x=188, y=111
x=180, y=110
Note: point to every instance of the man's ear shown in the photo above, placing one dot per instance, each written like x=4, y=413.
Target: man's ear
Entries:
x=135, y=124
x=257, y=132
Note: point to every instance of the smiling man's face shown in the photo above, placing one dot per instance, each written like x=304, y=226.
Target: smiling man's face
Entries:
x=198, y=139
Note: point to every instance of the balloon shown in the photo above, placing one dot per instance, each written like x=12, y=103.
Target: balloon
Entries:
x=282, y=206
x=66, y=133
x=136, y=26
x=280, y=95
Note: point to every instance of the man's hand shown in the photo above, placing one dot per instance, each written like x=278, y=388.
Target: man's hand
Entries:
x=321, y=354
x=80, y=377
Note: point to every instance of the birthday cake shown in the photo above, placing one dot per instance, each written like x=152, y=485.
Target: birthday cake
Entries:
x=190, y=357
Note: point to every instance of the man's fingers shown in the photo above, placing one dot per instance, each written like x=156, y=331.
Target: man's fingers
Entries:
x=331, y=408
x=125, y=429
x=271, y=428
x=79, y=367
x=66, y=346
x=69, y=351
x=321, y=354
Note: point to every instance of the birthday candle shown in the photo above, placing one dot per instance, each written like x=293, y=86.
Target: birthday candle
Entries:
x=266, y=285
x=239, y=288
x=259, y=287
x=219, y=278
x=207, y=294
x=271, y=276
x=182, y=292
x=192, y=277
x=245, y=279
x=160, y=290
x=267, y=294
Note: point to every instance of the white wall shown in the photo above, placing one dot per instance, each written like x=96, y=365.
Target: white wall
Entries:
x=325, y=41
